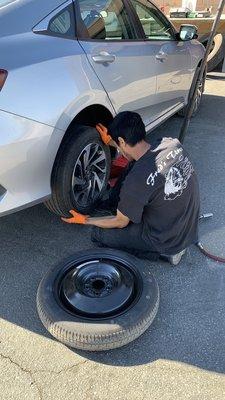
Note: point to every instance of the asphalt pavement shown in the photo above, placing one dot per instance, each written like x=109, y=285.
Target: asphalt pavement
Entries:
x=181, y=356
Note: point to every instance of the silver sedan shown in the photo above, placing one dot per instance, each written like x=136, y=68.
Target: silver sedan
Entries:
x=67, y=65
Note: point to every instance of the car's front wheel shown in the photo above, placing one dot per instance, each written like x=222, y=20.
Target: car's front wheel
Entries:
x=81, y=172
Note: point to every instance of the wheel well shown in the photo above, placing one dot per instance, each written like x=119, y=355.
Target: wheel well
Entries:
x=90, y=116
x=93, y=114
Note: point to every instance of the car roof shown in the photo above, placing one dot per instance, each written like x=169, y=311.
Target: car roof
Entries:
x=18, y=16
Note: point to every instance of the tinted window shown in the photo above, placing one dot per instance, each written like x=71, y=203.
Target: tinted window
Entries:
x=62, y=23
x=105, y=20
x=154, y=24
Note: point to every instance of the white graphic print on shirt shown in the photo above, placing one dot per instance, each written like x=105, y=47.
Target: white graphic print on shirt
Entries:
x=176, y=178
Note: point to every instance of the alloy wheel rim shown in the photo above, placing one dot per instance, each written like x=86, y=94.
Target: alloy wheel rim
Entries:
x=89, y=174
x=198, y=97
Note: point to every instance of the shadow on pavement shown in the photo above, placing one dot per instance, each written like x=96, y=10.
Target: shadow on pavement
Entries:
x=217, y=77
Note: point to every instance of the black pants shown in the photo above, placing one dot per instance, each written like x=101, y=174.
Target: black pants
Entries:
x=129, y=238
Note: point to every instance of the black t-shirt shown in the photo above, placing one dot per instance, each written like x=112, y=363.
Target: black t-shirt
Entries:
x=161, y=192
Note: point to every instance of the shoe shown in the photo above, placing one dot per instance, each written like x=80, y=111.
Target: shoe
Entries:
x=174, y=259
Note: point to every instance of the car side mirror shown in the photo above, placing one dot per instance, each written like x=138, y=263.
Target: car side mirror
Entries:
x=187, y=32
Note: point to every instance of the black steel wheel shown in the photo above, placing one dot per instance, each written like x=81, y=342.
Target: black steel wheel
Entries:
x=98, y=300
x=81, y=172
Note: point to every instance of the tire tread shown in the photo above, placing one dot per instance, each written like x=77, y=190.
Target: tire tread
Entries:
x=106, y=334
x=96, y=342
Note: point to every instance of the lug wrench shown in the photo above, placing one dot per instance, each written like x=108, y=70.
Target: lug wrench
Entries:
x=205, y=216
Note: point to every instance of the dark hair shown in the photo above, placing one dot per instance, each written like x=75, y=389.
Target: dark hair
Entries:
x=129, y=126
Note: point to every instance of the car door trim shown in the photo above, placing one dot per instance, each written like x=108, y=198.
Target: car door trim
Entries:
x=160, y=120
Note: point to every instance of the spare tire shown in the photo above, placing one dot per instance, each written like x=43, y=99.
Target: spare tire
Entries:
x=81, y=172
x=217, y=53
x=98, y=300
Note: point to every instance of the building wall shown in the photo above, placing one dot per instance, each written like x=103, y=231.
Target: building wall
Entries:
x=201, y=4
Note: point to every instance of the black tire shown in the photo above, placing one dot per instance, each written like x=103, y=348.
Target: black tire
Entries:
x=62, y=199
x=182, y=112
x=99, y=333
x=217, y=54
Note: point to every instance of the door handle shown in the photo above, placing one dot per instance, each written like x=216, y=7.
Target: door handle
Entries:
x=161, y=56
x=103, y=58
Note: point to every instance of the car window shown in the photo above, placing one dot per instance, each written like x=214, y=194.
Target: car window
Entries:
x=155, y=25
x=63, y=23
x=105, y=20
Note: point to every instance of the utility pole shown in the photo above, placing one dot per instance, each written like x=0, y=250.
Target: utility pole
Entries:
x=203, y=66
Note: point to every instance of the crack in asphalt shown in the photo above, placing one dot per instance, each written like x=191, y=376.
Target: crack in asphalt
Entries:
x=31, y=373
x=33, y=382
x=71, y=367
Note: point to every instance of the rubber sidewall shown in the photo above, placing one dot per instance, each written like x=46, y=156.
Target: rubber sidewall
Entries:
x=217, y=54
x=62, y=198
x=106, y=333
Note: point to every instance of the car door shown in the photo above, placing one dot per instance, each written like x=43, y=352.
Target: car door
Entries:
x=172, y=57
x=117, y=54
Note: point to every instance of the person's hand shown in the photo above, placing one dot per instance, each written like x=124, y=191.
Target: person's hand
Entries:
x=76, y=218
x=103, y=132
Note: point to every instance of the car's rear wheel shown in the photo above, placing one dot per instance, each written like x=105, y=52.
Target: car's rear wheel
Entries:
x=99, y=299
x=80, y=173
x=198, y=97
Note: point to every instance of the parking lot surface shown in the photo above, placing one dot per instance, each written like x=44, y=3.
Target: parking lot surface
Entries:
x=181, y=356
